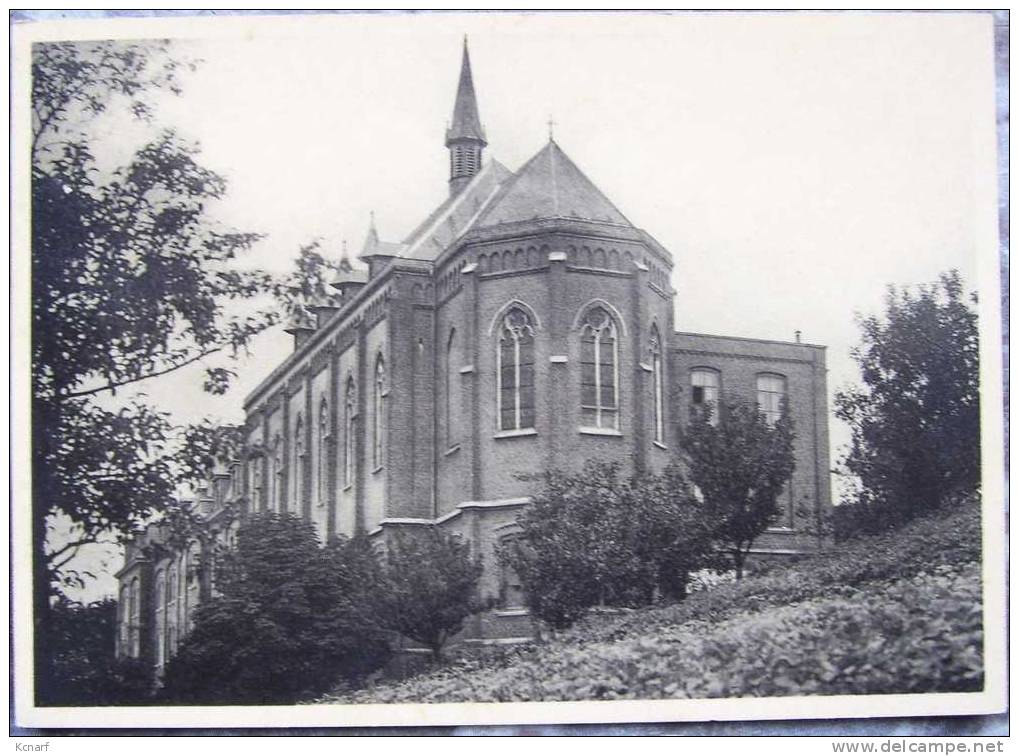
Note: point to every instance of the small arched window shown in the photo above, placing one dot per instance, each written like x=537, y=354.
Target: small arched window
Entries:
x=704, y=383
x=599, y=370
x=771, y=391
x=657, y=386
x=300, y=458
x=379, y=413
x=515, y=371
x=349, y=455
x=321, y=464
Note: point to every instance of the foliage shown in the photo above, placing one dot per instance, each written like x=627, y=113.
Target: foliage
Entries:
x=915, y=421
x=895, y=613
x=428, y=586
x=740, y=463
x=84, y=669
x=594, y=538
x=289, y=619
x=132, y=279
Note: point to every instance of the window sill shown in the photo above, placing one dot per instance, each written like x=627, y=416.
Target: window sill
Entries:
x=451, y=450
x=660, y=445
x=518, y=433
x=780, y=529
x=515, y=611
x=592, y=431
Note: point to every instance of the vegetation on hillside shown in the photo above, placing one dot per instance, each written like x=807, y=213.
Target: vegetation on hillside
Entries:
x=894, y=613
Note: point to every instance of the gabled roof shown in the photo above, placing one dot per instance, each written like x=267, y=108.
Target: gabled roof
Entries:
x=550, y=185
x=450, y=220
x=466, y=121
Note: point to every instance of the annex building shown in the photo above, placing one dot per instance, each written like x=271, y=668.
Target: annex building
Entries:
x=525, y=324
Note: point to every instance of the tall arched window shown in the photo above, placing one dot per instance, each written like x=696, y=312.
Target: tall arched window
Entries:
x=277, y=475
x=449, y=394
x=193, y=584
x=515, y=371
x=349, y=454
x=255, y=467
x=599, y=370
x=657, y=386
x=704, y=391
x=298, y=467
x=136, y=618
x=160, y=614
x=321, y=464
x=771, y=390
x=379, y=413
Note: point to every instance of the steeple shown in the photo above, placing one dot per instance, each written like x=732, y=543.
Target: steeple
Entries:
x=465, y=138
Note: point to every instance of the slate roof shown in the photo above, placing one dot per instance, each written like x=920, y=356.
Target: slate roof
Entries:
x=466, y=121
x=550, y=185
x=450, y=220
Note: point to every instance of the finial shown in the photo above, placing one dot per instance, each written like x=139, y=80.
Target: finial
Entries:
x=551, y=129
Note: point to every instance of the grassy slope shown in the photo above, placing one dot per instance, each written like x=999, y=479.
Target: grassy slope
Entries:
x=894, y=613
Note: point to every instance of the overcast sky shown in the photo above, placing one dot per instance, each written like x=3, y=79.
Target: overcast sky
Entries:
x=794, y=164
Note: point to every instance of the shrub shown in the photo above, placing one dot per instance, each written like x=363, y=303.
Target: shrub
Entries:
x=915, y=422
x=290, y=619
x=740, y=462
x=428, y=586
x=895, y=613
x=597, y=539
x=84, y=670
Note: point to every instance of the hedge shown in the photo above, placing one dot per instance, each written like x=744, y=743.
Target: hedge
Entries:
x=895, y=613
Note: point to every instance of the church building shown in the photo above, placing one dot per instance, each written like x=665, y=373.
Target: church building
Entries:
x=526, y=324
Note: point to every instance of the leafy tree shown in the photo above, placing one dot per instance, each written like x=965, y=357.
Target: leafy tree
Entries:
x=131, y=280
x=915, y=422
x=429, y=586
x=595, y=538
x=740, y=464
x=85, y=670
x=289, y=620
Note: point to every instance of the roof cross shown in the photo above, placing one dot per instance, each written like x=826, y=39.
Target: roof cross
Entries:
x=551, y=129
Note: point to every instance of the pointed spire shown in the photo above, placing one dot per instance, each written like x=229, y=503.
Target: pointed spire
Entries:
x=466, y=121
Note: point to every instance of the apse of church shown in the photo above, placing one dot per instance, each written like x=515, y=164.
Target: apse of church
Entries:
x=525, y=324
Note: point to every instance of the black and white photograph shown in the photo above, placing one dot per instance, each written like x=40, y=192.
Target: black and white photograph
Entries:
x=446, y=369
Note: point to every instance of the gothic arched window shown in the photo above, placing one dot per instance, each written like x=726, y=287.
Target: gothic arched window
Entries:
x=599, y=370
x=379, y=413
x=300, y=458
x=160, y=613
x=321, y=465
x=657, y=385
x=349, y=456
x=450, y=403
x=276, y=494
x=704, y=391
x=515, y=371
